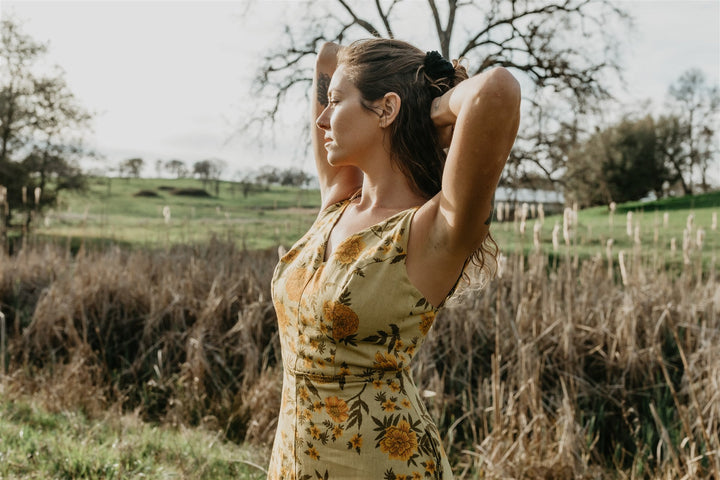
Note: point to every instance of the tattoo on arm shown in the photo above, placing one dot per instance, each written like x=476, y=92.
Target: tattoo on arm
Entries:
x=323, y=82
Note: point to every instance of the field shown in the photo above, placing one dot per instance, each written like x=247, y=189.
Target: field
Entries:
x=579, y=361
x=110, y=212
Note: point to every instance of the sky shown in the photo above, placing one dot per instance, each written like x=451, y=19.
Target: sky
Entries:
x=172, y=79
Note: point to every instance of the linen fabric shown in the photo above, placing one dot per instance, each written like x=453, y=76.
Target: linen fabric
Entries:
x=349, y=328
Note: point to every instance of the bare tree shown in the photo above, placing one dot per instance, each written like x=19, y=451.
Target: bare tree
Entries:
x=563, y=48
x=697, y=105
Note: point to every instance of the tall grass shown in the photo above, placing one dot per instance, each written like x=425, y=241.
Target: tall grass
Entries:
x=559, y=368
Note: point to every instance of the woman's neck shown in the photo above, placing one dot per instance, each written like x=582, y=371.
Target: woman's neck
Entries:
x=387, y=189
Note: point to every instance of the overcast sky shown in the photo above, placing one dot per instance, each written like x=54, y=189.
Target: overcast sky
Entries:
x=169, y=79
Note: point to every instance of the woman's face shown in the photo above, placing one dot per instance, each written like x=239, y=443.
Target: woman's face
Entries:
x=352, y=131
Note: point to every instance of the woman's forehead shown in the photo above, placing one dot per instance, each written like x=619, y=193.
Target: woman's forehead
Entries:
x=339, y=81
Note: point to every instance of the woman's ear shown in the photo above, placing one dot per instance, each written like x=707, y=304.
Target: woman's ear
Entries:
x=389, y=105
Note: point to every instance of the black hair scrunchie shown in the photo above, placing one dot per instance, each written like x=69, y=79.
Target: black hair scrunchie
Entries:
x=437, y=67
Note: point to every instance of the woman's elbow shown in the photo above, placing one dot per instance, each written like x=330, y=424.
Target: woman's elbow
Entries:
x=500, y=87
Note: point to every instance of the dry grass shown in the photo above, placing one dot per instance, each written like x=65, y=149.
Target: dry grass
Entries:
x=567, y=370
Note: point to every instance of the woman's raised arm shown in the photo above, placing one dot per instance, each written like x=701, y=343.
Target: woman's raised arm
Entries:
x=336, y=183
x=480, y=115
x=483, y=114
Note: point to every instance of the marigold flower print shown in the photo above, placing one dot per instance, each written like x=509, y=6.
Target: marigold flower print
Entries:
x=296, y=283
x=344, y=321
x=349, y=328
x=349, y=251
x=426, y=321
x=400, y=442
x=385, y=361
x=337, y=409
x=355, y=442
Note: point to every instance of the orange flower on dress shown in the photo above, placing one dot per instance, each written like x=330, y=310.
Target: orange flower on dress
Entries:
x=337, y=409
x=312, y=453
x=400, y=442
x=337, y=431
x=355, y=442
x=429, y=466
x=377, y=384
x=426, y=321
x=350, y=250
x=315, y=432
x=394, y=386
x=385, y=361
x=406, y=403
x=304, y=394
x=389, y=406
x=344, y=321
x=416, y=476
x=295, y=283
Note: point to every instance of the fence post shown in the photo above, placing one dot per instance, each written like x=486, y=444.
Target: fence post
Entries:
x=2, y=345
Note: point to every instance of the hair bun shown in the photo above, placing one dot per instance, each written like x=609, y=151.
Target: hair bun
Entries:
x=437, y=67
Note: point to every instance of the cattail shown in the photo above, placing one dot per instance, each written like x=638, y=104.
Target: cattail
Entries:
x=611, y=217
x=690, y=220
x=700, y=238
x=533, y=207
x=656, y=234
x=522, y=226
x=2, y=343
x=536, y=235
x=567, y=224
x=507, y=210
x=499, y=211
x=501, y=265
x=666, y=219
x=623, y=271
x=24, y=195
x=713, y=225
x=3, y=194
x=637, y=235
x=628, y=224
x=555, y=234
x=541, y=213
x=686, y=246
x=38, y=192
x=166, y=214
x=609, y=256
x=524, y=211
x=673, y=245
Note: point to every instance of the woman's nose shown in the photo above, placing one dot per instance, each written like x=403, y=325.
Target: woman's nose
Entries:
x=322, y=120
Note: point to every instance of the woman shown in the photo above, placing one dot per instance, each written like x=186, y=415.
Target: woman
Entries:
x=400, y=218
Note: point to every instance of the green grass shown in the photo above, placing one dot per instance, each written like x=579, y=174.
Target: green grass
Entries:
x=36, y=443
x=596, y=226
x=109, y=212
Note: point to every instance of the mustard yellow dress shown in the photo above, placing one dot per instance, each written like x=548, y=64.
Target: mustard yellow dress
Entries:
x=349, y=327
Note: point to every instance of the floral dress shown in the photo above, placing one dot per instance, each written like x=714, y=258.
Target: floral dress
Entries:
x=349, y=327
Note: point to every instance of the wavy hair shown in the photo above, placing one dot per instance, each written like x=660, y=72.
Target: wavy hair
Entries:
x=377, y=66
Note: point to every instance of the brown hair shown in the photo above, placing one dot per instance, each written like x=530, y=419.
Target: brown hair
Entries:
x=377, y=66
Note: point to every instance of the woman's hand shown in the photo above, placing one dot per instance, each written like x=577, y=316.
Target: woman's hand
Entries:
x=336, y=183
x=443, y=118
